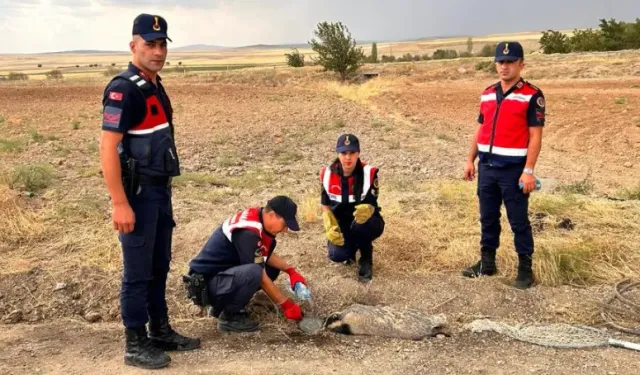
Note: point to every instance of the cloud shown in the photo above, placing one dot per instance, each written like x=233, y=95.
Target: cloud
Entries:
x=53, y=25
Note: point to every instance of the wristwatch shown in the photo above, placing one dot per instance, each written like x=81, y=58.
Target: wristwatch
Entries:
x=527, y=171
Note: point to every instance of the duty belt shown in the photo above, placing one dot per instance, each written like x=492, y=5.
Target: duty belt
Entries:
x=154, y=180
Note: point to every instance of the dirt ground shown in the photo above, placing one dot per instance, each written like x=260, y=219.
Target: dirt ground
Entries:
x=245, y=136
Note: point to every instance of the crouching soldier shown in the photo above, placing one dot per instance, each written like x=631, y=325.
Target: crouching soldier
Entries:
x=238, y=260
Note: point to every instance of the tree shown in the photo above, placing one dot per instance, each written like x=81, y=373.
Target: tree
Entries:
x=295, y=58
x=554, y=42
x=488, y=50
x=374, y=53
x=469, y=45
x=613, y=34
x=586, y=40
x=336, y=49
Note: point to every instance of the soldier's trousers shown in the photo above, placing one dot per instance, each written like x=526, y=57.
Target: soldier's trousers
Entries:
x=498, y=185
x=356, y=237
x=146, y=255
x=232, y=289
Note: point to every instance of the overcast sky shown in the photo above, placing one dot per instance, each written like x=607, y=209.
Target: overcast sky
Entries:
x=28, y=26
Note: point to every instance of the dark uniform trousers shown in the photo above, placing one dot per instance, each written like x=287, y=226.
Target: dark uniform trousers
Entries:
x=232, y=289
x=356, y=237
x=497, y=185
x=146, y=256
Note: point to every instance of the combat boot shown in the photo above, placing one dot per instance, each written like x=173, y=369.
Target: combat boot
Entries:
x=486, y=266
x=163, y=337
x=524, y=280
x=236, y=322
x=141, y=353
x=365, y=265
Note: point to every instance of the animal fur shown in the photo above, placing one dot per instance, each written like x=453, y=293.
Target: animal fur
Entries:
x=386, y=322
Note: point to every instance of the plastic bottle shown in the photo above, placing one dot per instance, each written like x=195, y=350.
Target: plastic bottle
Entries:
x=538, y=185
x=302, y=292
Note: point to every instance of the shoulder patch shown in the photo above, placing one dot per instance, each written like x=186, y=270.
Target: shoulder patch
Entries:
x=111, y=117
x=540, y=102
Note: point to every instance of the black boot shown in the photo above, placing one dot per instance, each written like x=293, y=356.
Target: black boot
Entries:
x=236, y=322
x=486, y=266
x=164, y=337
x=365, y=264
x=141, y=353
x=525, y=272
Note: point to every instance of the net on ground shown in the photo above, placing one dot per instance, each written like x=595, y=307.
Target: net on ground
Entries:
x=557, y=335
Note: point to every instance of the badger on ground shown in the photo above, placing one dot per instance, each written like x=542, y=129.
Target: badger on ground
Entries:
x=386, y=321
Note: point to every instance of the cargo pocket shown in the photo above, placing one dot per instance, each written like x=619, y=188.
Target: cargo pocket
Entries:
x=140, y=149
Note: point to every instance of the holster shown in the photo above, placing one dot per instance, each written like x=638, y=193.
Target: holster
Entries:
x=130, y=179
x=196, y=287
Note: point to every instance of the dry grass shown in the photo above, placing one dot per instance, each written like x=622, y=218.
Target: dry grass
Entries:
x=438, y=231
x=18, y=224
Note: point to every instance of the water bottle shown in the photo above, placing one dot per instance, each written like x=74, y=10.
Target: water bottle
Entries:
x=302, y=292
x=538, y=185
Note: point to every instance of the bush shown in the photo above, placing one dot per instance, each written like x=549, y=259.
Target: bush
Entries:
x=386, y=58
x=336, y=49
x=31, y=177
x=295, y=58
x=554, y=42
x=465, y=54
x=442, y=54
x=486, y=66
x=54, y=74
x=111, y=71
x=488, y=50
x=17, y=76
x=39, y=65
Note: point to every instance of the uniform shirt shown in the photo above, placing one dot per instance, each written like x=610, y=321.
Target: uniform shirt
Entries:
x=218, y=254
x=125, y=105
x=344, y=211
x=535, y=116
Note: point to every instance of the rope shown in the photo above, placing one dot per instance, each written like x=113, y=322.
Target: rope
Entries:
x=619, y=311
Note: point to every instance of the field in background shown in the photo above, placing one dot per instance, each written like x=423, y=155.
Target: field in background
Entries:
x=230, y=59
x=246, y=135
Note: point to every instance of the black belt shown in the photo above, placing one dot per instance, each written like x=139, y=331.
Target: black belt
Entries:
x=154, y=180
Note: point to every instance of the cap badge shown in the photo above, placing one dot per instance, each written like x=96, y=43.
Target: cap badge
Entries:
x=156, y=26
x=347, y=142
x=505, y=51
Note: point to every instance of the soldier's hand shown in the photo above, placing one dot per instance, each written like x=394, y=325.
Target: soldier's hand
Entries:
x=291, y=310
x=332, y=229
x=469, y=171
x=123, y=218
x=529, y=183
x=363, y=212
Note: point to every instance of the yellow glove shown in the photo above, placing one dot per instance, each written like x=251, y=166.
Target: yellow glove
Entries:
x=363, y=212
x=332, y=229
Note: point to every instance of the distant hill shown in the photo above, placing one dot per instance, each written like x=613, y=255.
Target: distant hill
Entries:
x=84, y=52
x=200, y=47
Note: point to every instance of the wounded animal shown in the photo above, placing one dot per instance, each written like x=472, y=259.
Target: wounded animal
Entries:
x=386, y=322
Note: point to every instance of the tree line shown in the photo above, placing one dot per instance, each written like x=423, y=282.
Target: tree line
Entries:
x=611, y=35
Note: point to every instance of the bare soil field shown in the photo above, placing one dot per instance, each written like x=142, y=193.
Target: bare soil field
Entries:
x=244, y=136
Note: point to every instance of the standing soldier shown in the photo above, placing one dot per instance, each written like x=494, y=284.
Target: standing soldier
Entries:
x=138, y=158
x=508, y=142
x=350, y=211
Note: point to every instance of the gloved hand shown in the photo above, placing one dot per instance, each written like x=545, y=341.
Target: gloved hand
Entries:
x=332, y=229
x=295, y=277
x=363, y=212
x=291, y=310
